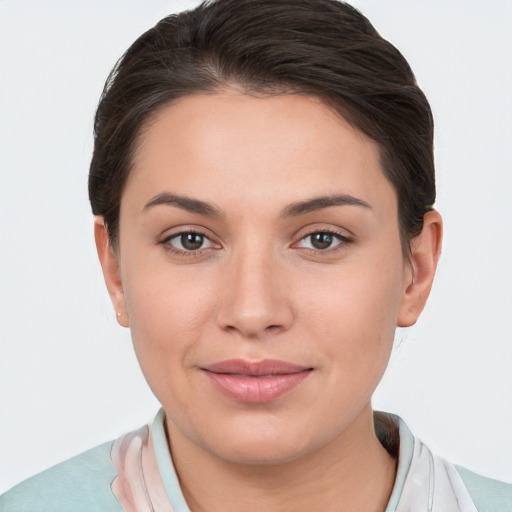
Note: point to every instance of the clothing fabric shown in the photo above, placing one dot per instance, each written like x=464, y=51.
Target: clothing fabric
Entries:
x=135, y=473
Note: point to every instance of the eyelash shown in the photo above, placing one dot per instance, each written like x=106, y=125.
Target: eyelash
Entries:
x=166, y=242
x=342, y=241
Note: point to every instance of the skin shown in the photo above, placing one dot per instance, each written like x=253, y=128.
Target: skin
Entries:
x=258, y=289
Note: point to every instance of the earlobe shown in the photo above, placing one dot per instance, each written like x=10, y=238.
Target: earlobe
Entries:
x=111, y=270
x=425, y=252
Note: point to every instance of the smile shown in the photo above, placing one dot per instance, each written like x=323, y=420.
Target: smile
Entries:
x=255, y=382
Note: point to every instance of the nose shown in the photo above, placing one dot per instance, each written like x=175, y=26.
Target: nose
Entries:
x=254, y=300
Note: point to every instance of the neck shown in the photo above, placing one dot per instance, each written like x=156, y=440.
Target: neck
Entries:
x=352, y=472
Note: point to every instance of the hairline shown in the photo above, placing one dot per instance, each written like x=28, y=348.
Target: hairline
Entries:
x=230, y=86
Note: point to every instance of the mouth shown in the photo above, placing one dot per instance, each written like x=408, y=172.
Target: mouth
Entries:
x=255, y=381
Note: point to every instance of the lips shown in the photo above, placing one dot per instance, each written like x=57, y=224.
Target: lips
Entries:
x=255, y=382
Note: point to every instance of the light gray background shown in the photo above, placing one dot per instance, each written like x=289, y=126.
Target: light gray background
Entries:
x=68, y=377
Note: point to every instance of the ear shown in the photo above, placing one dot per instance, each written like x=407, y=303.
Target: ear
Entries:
x=111, y=270
x=425, y=252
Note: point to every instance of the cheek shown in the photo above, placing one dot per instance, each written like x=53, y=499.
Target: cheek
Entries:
x=354, y=312
x=167, y=312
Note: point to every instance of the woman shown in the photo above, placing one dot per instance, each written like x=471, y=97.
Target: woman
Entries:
x=263, y=185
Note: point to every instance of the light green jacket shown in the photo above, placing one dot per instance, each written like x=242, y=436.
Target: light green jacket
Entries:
x=135, y=473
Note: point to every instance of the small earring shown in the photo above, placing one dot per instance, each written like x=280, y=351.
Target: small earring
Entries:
x=120, y=315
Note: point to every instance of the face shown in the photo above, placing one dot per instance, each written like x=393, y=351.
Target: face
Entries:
x=260, y=271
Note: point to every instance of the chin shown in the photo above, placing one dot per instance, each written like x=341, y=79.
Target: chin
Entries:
x=259, y=445
x=260, y=454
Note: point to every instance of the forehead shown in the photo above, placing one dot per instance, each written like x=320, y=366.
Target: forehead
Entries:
x=233, y=146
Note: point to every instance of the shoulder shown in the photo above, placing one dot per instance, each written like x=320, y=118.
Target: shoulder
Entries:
x=488, y=495
x=80, y=484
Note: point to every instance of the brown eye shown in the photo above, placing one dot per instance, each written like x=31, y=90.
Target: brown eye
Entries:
x=191, y=241
x=188, y=242
x=324, y=241
x=321, y=240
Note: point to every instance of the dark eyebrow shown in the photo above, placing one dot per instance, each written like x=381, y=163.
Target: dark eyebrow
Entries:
x=186, y=203
x=318, y=203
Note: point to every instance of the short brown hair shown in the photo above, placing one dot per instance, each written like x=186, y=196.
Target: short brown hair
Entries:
x=323, y=48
